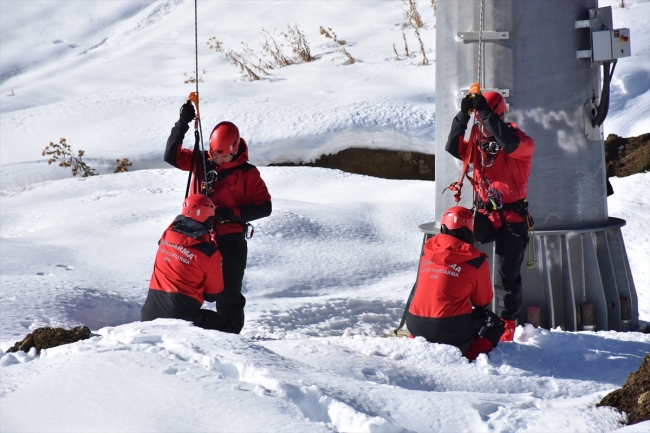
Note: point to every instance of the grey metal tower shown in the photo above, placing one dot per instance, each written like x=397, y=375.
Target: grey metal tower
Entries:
x=544, y=57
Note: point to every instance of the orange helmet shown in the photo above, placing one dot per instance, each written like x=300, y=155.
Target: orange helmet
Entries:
x=224, y=138
x=457, y=217
x=496, y=102
x=198, y=207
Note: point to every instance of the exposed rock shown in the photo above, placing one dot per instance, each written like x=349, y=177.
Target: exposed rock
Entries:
x=386, y=164
x=623, y=157
x=45, y=338
x=634, y=397
x=627, y=156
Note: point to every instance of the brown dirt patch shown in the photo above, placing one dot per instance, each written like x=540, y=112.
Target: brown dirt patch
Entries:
x=45, y=338
x=623, y=157
x=386, y=164
x=627, y=156
x=634, y=397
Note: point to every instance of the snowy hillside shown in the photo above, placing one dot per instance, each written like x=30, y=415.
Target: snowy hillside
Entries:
x=328, y=272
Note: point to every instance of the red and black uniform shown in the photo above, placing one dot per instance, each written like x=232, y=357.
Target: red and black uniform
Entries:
x=238, y=187
x=186, y=272
x=501, y=173
x=453, y=278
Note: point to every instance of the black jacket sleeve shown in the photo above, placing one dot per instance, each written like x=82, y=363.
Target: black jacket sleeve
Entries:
x=252, y=212
x=175, y=141
x=502, y=132
x=458, y=127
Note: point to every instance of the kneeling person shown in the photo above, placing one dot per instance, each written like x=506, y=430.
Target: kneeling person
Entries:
x=187, y=270
x=454, y=277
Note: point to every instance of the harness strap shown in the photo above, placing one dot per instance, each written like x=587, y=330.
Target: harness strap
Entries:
x=520, y=207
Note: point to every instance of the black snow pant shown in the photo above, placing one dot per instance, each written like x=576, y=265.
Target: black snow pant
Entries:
x=510, y=248
x=458, y=330
x=163, y=305
x=230, y=302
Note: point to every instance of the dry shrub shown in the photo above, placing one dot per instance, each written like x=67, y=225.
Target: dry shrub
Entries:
x=298, y=43
x=406, y=45
x=411, y=14
x=192, y=78
x=414, y=20
x=425, y=60
x=274, y=49
x=272, y=55
x=62, y=150
x=122, y=166
x=329, y=34
x=241, y=60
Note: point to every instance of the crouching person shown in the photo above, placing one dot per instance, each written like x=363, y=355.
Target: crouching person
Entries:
x=187, y=269
x=453, y=290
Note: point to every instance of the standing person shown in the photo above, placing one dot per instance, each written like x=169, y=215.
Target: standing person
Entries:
x=502, y=160
x=239, y=193
x=187, y=269
x=454, y=277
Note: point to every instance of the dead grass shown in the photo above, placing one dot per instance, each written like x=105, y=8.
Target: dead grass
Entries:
x=192, y=78
x=272, y=52
x=330, y=34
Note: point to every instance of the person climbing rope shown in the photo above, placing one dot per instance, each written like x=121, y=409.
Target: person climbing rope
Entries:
x=187, y=270
x=501, y=155
x=238, y=192
x=453, y=290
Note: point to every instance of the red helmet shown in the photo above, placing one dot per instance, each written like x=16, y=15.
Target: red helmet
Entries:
x=458, y=217
x=198, y=207
x=496, y=102
x=224, y=138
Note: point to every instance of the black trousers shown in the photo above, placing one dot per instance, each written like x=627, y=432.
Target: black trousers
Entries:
x=457, y=331
x=510, y=249
x=230, y=302
x=163, y=305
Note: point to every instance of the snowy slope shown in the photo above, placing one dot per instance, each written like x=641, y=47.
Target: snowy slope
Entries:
x=328, y=271
x=121, y=66
x=328, y=274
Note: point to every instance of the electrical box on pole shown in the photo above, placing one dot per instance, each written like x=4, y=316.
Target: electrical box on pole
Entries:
x=607, y=43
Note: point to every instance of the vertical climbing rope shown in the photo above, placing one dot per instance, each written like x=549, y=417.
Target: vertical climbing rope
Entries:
x=198, y=129
x=480, y=43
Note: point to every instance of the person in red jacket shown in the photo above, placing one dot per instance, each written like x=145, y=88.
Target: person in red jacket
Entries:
x=453, y=290
x=502, y=161
x=187, y=270
x=239, y=194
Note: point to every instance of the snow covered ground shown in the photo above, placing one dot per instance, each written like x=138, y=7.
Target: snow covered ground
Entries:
x=328, y=271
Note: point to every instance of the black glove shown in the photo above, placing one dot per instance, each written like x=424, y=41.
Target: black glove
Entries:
x=479, y=103
x=187, y=113
x=224, y=214
x=466, y=104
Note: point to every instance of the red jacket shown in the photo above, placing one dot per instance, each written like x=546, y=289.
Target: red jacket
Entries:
x=454, y=276
x=187, y=266
x=239, y=185
x=510, y=169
